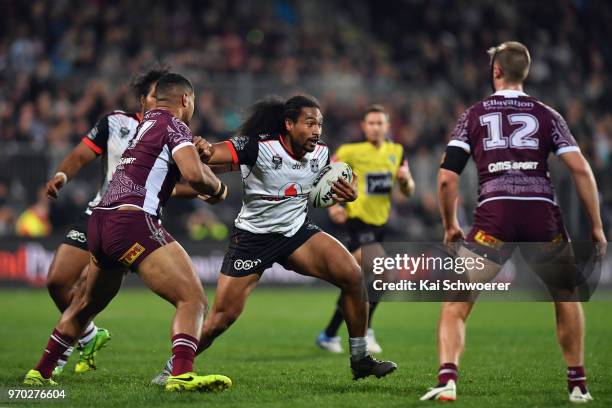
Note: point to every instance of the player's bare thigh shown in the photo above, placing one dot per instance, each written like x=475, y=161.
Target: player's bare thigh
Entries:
x=169, y=272
x=90, y=298
x=324, y=257
x=67, y=266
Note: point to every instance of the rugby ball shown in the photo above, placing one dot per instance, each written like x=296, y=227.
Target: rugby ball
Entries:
x=320, y=194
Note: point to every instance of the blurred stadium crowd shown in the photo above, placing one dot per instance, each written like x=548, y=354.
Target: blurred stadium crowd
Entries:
x=64, y=63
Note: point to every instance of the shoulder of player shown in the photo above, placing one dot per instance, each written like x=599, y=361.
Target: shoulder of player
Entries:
x=267, y=137
x=351, y=146
x=119, y=119
x=120, y=114
x=547, y=109
x=398, y=149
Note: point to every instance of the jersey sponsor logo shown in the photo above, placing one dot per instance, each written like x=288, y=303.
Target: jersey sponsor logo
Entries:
x=296, y=166
x=124, y=132
x=76, y=236
x=314, y=165
x=132, y=254
x=246, y=264
x=496, y=103
x=512, y=165
x=291, y=189
x=126, y=160
x=487, y=240
x=277, y=162
x=392, y=159
x=379, y=183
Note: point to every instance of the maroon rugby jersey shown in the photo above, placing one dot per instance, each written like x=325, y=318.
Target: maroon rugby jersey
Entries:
x=146, y=173
x=510, y=136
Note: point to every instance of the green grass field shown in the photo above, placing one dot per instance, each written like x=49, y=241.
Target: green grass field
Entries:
x=511, y=360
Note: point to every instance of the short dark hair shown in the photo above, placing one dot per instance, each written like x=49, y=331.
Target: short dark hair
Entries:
x=513, y=58
x=172, y=84
x=141, y=84
x=375, y=108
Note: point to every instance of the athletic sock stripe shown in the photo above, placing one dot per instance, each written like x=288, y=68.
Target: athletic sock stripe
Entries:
x=576, y=378
x=88, y=333
x=184, y=343
x=60, y=341
x=447, y=371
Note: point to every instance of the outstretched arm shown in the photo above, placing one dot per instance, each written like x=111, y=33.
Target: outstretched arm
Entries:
x=81, y=155
x=220, y=155
x=199, y=176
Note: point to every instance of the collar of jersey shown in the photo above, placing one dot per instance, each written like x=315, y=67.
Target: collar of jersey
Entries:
x=510, y=93
x=280, y=139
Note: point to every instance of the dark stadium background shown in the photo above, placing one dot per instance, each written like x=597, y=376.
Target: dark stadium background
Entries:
x=65, y=63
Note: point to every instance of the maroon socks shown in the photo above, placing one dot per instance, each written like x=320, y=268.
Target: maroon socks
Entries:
x=183, y=352
x=447, y=372
x=56, y=347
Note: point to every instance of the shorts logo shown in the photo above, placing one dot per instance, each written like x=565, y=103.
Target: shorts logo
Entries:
x=131, y=254
x=487, y=240
x=157, y=235
x=314, y=165
x=77, y=236
x=124, y=131
x=245, y=265
x=367, y=237
x=277, y=162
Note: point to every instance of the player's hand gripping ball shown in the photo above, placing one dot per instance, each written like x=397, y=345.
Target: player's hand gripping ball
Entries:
x=321, y=194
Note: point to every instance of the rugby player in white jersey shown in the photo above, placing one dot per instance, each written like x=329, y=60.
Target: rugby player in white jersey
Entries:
x=280, y=154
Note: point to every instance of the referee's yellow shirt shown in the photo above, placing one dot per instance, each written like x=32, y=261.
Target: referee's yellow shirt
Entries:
x=376, y=169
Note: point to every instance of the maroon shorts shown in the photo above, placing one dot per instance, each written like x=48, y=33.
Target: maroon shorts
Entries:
x=124, y=238
x=500, y=221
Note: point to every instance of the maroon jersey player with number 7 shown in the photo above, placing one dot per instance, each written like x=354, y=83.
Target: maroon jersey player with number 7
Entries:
x=124, y=233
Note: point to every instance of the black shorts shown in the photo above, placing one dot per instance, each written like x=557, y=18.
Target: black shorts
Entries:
x=361, y=234
x=250, y=253
x=77, y=235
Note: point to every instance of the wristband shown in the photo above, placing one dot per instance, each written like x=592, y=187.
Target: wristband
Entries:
x=62, y=175
x=222, y=190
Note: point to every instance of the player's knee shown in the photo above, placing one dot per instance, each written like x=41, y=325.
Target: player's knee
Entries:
x=223, y=316
x=351, y=278
x=197, y=306
x=459, y=310
x=53, y=286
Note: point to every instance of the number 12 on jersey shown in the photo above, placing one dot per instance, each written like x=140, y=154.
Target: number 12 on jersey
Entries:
x=521, y=138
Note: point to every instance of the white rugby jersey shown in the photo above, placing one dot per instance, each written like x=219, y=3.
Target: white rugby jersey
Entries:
x=109, y=138
x=275, y=183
